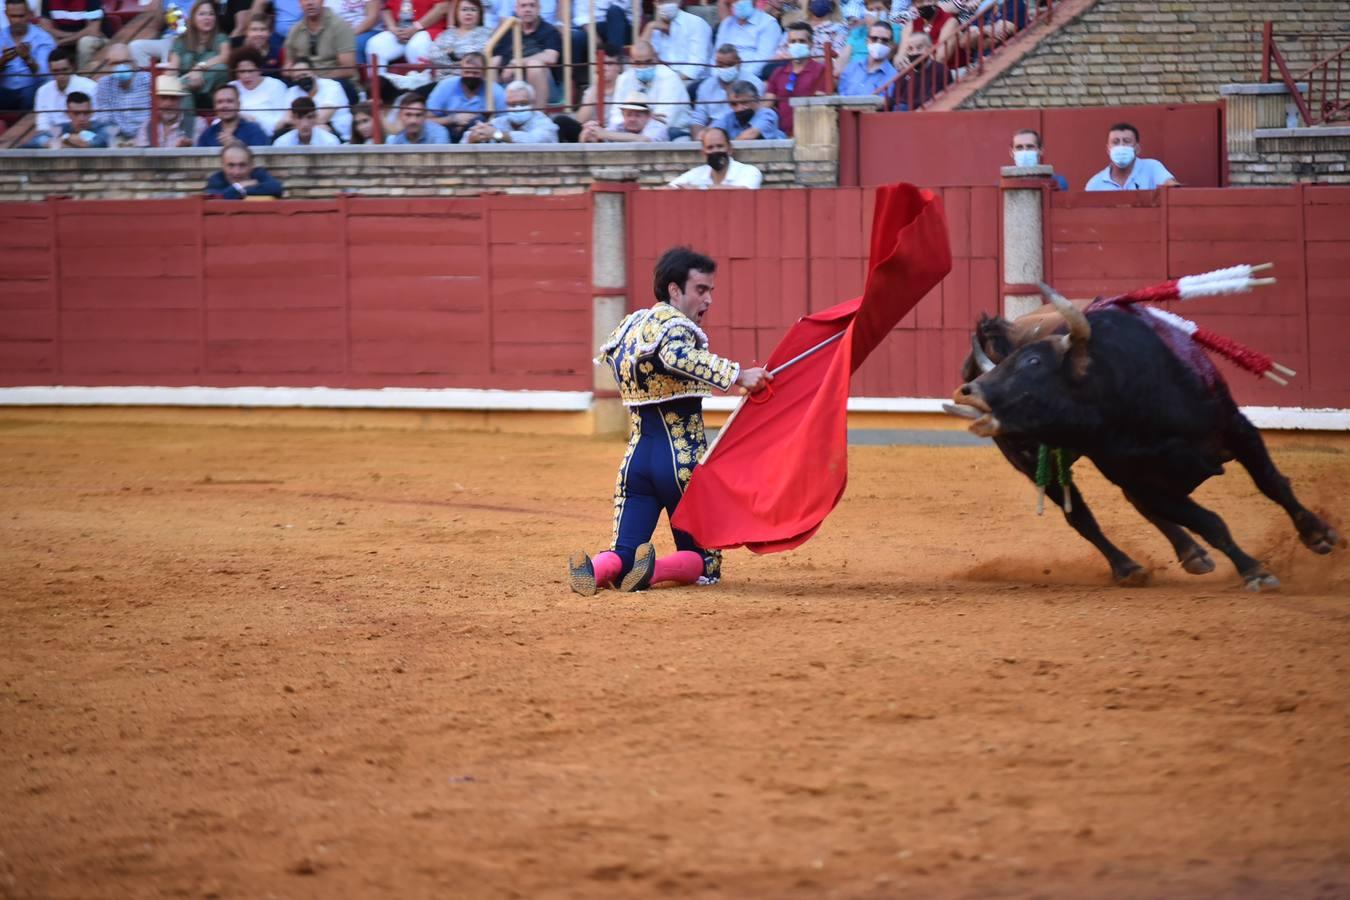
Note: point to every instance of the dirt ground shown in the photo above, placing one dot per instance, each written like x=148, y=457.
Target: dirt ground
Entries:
x=269, y=662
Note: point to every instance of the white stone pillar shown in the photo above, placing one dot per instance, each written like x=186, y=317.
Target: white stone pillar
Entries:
x=609, y=288
x=1024, y=190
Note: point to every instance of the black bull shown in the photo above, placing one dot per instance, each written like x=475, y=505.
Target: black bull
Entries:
x=1153, y=415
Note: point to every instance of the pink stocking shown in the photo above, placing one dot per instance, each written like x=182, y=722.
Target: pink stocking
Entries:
x=684, y=566
x=607, y=567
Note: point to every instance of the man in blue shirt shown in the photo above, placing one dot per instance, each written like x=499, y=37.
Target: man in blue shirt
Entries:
x=867, y=75
x=23, y=57
x=412, y=114
x=1026, y=151
x=460, y=102
x=81, y=132
x=753, y=33
x=228, y=126
x=747, y=120
x=1129, y=171
x=710, y=97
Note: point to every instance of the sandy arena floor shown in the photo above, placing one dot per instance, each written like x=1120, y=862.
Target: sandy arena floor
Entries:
x=266, y=662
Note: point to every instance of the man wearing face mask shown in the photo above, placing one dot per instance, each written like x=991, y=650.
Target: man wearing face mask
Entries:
x=1129, y=171
x=866, y=76
x=719, y=169
x=681, y=39
x=1026, y=151
x=940, y=27
x=655, y=84
x=123, y=96
x=710, y=99
x=520, y=124
x=460, y=101
x=802, y=77
x=925, y=76
x=747, y=120
x=753, y=33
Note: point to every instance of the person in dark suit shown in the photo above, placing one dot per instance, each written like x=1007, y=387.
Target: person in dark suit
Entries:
x=239, y=178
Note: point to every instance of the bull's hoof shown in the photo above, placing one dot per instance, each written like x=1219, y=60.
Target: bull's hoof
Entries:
x=581, y=574
x=1318, y=536
x=1260, y=580
x=1197, y=562
x=1133, y=575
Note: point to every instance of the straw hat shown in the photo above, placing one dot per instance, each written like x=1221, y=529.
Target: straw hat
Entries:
x=635, y=102
x=169, y=86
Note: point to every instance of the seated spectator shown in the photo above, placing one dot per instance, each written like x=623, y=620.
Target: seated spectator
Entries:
x=305, y=133
x=680, y=40
x=24, y=50
x=79, y=25
x=229, y=126
x=637, y=124
x=719, y=170
x=1026, y=151
x=328, y=96
x=363, y=124
x=259, y=37
x=262, y=98
x=123, y=97
x=415, y=129
x=823, y=30
x=657, y=87
x=710, y=98
x=754, y=34
x=171, y=15
x=50, y=100
x=199, y=54
x=923, y=76
x=175, y=128
x=1128, y=170
x=586, y=112
x=327, y=42
x=363, y=18
x=239, y=178
x=747, y=120
x=940, y=26
x=496, y=10
x=410, y=30
x=80, y=131
x=460, y=101
x=613, y=31
x=542, y=50
x=878, y=11
x=522, y=123
x=467, y=35
x=872, y=69
x=802, y=77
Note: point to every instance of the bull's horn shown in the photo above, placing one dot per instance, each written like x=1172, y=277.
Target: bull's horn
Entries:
x=1079, y=329
x=981, y=358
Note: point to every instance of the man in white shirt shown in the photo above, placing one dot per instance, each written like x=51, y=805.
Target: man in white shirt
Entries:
x=50, y=101
x=305, y=133
x=719, y=169
x=753, y=33
x=681, y=40
x=638, y=126
x=656, y=86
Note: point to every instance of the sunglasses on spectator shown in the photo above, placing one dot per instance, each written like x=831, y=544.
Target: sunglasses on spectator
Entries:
x=877, y=40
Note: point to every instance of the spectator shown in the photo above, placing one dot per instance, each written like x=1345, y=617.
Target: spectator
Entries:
x=612, y=28
x=710, y=98
x=412, y=116
x=878, y=11
x=122, y=97
x=941, y=27
x=719, y=169
x=802, y=77
x=50, y=101
x=199, y=54
x=228, y=126
x=327, y=94
x=1128, y=170
x=363, y=124
x=326, y=41
x=637, y=125
x=753, y=33
x=460, y=101
x=658, y=88
x=542, y=49
x=23, y=57
x=363, y=18
x=868, y=73
x=824, y=30
x=305, y=133
x=468, y=35
x=262, y=98
x=174, y=22
x=923, y=76
x=239, y=178
x=174, y=128
x=410, y=30
x=496, y=10
x=569, y=128
x=1026, y=151
x=522, y=123
x=680, y=39
x=258, y=36
x=747, y=120
x=80, y=131
x=78, y=24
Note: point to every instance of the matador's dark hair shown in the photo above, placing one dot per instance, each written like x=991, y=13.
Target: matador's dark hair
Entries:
x=675, y=265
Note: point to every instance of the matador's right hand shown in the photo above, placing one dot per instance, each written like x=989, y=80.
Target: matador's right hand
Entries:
x=754, y=379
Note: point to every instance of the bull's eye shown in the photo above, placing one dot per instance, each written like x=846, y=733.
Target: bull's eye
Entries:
x=1031, y=361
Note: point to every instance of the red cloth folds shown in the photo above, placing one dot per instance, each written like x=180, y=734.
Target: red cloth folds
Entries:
x=782, y=465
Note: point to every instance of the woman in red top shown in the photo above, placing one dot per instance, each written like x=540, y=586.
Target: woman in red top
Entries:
x=942, y=28
x=802, y=77
x=410, y=30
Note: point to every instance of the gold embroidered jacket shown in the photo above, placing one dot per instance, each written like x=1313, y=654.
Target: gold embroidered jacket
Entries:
x=659, y=354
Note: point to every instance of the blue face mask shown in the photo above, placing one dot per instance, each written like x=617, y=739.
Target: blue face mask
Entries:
x=519, y=116
x=1122, y=155
x=645, y=75
x=742, y=9
x=729, y=74
x=123, y=73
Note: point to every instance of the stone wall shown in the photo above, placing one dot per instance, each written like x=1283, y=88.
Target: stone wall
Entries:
x=1127, y=52
x=382, y=171
x=1293, y=155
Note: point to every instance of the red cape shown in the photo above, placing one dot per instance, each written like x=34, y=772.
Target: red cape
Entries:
x=781, y=463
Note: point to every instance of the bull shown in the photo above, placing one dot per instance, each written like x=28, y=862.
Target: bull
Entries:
x=1148, y=407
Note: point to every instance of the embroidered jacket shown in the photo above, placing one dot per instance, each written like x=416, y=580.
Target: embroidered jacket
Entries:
x=659, y=354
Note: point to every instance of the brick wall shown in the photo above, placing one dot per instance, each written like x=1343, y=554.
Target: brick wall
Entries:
x=382, y=171
x=1126, y=52
x=1289, y=156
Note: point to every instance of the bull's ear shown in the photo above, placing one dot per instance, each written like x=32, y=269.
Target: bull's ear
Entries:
x=1074, y=355
x=992, y=332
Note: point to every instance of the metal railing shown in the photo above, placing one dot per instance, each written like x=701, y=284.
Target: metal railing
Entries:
x=1327, y=99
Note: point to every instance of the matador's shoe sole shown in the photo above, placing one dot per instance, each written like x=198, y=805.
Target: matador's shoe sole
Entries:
x=581, y=574
x=639, y=578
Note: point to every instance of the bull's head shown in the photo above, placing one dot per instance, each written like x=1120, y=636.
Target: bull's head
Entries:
x=1015, y=378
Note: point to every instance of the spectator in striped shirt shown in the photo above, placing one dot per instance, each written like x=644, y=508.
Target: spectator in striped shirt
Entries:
x=79, y=24
x=123, y=98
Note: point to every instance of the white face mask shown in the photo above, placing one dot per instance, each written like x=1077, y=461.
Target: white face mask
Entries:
x=728, y=75
x=519, y=115
x=799, y=51
x=668, y=11
x=878, y=51
x=1026, y=158
x=1122, y=155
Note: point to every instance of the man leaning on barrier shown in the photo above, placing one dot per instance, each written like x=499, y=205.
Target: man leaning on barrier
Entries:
x=522, y=123
x=239, y=178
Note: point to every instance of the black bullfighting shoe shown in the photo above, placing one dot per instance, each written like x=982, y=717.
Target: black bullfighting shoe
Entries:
x=639, y=578
x=581, y=573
